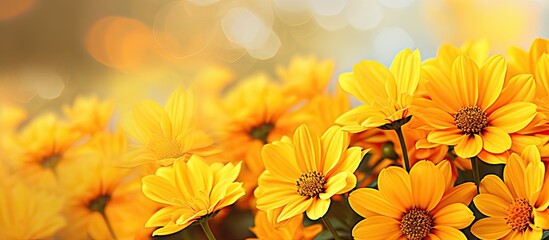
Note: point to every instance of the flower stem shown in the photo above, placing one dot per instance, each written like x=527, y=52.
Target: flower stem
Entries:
x=206, y=227
x=109, y=226
x=398, y=130
x=476, y=175
x=330, y=227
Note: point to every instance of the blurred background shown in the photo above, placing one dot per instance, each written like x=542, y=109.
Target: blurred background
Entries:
x=51, y=51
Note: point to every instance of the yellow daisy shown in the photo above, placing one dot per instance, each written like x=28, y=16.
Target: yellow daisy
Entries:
x=306, y=77
x=88, y=115
x=104, y=201
x=386, y=93
x=515, y=207
x=165, y=134
x=303, y=173
x=191, y=192
x=293, y=229
x=475, y=110
x=417, y=205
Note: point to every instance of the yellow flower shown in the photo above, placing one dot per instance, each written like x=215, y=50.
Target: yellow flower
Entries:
x=476, y=109
x=304, y=173
x=526, y=62
x=191, y=191
x=293, y=230
x=28, y=213
x=88, y=115
x=104, y=201
x=386, y=93
x=515, y=207
x=476, y=50
x=417, y=205
x=166, y=134
x=306, y=77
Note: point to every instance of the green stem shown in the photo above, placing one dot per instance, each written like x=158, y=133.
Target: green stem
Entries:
x=109, y=226
x=330, y=227
x=206, y=227
x=476, y=175
x=398, y=130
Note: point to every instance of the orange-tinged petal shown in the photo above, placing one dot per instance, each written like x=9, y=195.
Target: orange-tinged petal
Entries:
x=339, y=184
x=369, y=202
x=170, y=228
x=334, y=142
x=495, y=140
x=513, y=117
x=349, y=161
x=280, y=160
x=159, y=189
x=296, y=205
x=464, y=79
x=462, y=193
x=520, y=88
x=371, y=77
x=406, y=68
x=427, y=185
x=180, y=109
x=439, y=89
x=307, y=148
x=490, y=228
x=491, y=78
x=493, y=158
x=455, y=215
x=530, y=154
x=318, y=208
x=541, y=219
x=377, y=227
x=491, y=205
x=513, y=175
x=448, y=233
x=535, y=172
x=469, y=146
x=436, y=117
x=492, y=184
x=450, y=136
x=395, y=186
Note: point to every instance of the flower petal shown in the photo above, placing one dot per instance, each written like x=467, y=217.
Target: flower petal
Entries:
x=490, y=228
x=448, y=233
x=469, y=146
x=427, y=185
x=395, y=185
x=492, y=184
x=318, y=208
x=464, y=79
x=462, y=193
x=491, y=78
x=496, y=140
x=513, y=175
x=307, y=148
x=455, y=215
x=296, y=205
x=334, y=143
x=369, y=202
x=491, y=205
x=450, y=136
x=377, y=227
x=338, y=184
x=513, y=116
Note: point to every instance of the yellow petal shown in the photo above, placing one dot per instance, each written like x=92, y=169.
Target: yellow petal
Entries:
x=280, y=160
x=296, y=205
x=535, y=172
x=438, y=88
x=427, y=185
x=455, y=215
x=490, y=228
x=318, y=208
x=435, y=117
x=395, y=186
x=464, y=79
x=520, y=88
x=369, y=202
x=349, y=161
x=307, y=147
x=377, y=227
x=491, y=78
x=448, y=233
x=170, y=228
x=513, y=117
x=492, y=184
x=513, y=175
x=469, y=146
x=406, y=70
x=161, y=217
x=495, y=140
x=446, y=169
x=491, y=205
x=180, y=109
x=159, y=189
x=334, y=142
x=450, y=136
x=462, y=193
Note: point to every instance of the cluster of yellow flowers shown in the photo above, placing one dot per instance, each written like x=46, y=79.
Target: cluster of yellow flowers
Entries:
x=449, y=148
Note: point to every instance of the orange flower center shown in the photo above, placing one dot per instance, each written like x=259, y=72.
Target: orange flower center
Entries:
x=416, y=224
x=471, y=120
x=519, y=215
x=51, y=161
x=98, y=204
x=261, y=132
x=311, y=184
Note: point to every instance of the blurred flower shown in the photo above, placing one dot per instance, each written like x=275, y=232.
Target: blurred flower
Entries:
x=386, y=93
x=191, y=191
x=27, y=212
x=515, y=207
x=304, y=173
x=88, y=115
x=417, y=205
x=294, y=229
x=526, y=62
x=306, y=77
x=166, y=134
x=104, y=201
x=472, y=110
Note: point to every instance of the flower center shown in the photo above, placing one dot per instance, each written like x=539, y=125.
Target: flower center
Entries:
x=310, y=184
x=471, y=120
x=416, y=224
x=519, y=215
x=51, y=161
x=261, y=132
x=98, y=204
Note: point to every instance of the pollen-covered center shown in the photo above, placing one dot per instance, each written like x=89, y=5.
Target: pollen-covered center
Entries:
x=310, y=184
x=416, y=224
x=519, y=215
x=471, y=120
